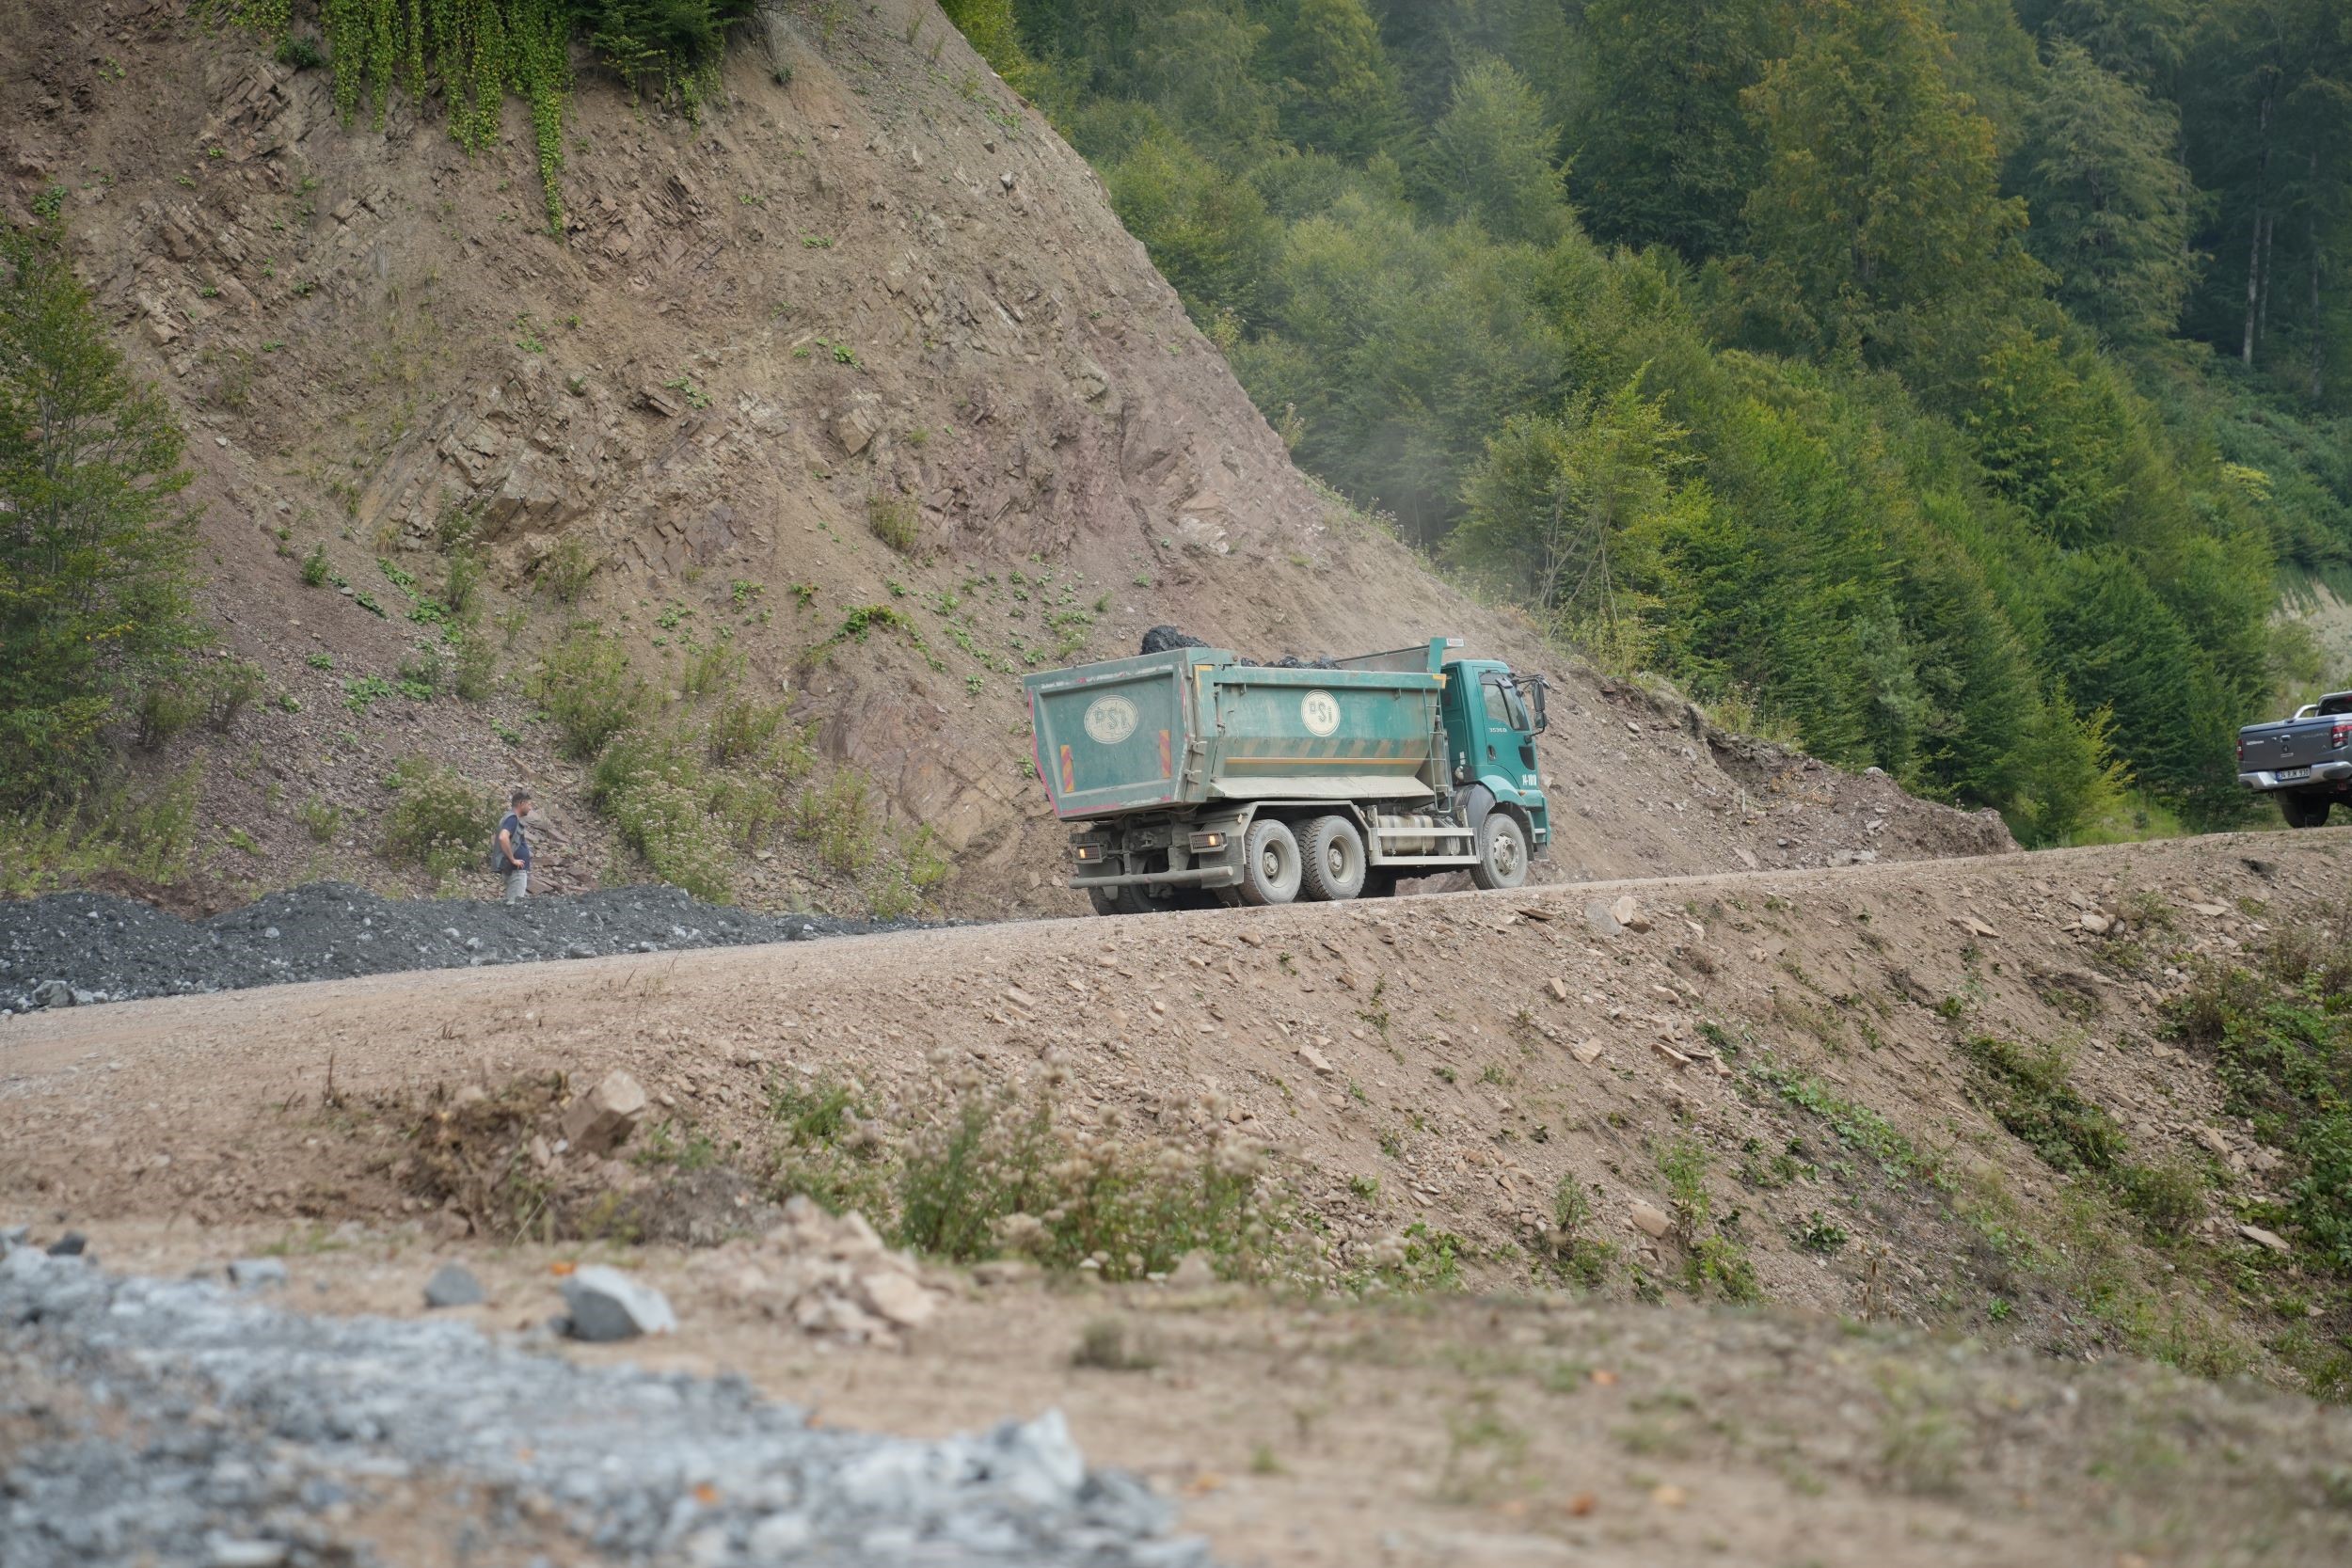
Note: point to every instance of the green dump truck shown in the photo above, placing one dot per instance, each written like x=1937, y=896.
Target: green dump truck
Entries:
x=1196, y=777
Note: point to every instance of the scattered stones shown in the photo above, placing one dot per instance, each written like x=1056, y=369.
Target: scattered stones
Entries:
x=2096, y=923
x=1587, y=1051
x=453, y=1285
x=607, y=1304
x=2211, y=1141
x=254, y=1273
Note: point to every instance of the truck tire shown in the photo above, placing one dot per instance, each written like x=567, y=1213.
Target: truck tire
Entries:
x=2304, y=810
x=1379, y=883
x=1269, y=863
x=1331, y=860
x=1105, y=899
x=1501, y=852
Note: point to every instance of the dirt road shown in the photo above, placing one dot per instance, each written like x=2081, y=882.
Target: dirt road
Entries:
x=1452, y=1064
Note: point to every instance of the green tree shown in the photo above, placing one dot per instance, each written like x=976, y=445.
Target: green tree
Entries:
x=1489, y=158
x=1664, y=154
x=1339, y=93
x=95, y=535
x=2112, y=207
x=1879, y=205
x=1209, y=231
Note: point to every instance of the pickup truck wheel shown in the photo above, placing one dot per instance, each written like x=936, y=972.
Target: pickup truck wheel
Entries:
x=1331, y=860
x=1269, y=863
x=1501, y=852
x=2305, y=810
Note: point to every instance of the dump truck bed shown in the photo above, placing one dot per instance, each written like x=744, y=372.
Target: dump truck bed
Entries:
x=1192, y=726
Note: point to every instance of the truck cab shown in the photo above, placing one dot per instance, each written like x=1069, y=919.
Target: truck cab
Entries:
x=1492, y=717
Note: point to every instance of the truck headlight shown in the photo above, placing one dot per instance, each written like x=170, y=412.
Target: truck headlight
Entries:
x=1207, y=841
x=1086, y=852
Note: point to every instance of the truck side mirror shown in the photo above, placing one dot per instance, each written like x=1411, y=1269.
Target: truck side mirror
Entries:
x=1531, y=686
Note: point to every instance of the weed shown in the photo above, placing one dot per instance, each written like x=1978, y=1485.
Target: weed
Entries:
x=567, y=568
x=1817, y=1232
x=314, y=568
x=322, y=819
x=2030, y=1092
x=894, y=520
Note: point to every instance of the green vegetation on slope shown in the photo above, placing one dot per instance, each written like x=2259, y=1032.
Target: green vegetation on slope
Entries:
x=1881, y=365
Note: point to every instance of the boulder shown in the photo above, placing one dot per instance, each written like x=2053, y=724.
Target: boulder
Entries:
x=602, y=1120
x=607, y=1306
x=453, y=1285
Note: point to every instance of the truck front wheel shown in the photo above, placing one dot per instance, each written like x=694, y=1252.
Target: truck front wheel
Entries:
x=2304, y=810
x=1501, y=852
x=1269, y=863
x=1331, y=862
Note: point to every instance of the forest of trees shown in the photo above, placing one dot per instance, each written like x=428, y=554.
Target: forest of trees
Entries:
x=1949, y=384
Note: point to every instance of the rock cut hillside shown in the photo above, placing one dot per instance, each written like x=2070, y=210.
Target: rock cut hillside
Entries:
x=858, y=370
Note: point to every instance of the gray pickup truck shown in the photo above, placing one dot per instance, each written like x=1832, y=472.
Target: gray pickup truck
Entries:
x=2305, y=761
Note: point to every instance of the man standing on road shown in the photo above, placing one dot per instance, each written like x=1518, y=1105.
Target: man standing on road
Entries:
x=515, y=848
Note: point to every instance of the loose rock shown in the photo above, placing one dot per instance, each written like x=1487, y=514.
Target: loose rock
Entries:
x=453, y=1285
x=608, y=1305
x=602, y=1120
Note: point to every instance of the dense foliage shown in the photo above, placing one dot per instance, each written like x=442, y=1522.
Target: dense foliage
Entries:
x=96, y=620
x=1947, y=381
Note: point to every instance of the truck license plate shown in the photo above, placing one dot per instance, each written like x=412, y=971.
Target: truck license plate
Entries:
x=2288, y=774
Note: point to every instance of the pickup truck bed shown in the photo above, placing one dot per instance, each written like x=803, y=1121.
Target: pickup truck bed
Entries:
x=2305, y=761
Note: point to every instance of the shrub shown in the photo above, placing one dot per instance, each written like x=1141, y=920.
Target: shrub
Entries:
x=895, y=522
x=2030, y=1092
x=996, y=1172
x=463, y=585
x=166, y=708
x=567, y=569
x=655, y=793
x=439, y=821
x=322, y=820
x=300, y=52
x=227, y=688
x=476, y=670
x=315, y=569
x=586, y=687
x=2170, y=1198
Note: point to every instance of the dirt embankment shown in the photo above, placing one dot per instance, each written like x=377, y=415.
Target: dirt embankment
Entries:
x=1771, y=1087
x=870, y=285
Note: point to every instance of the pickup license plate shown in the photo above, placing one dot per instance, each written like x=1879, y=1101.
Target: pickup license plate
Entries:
x=2287, y=775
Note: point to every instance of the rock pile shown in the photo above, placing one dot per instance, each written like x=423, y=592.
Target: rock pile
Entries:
x=830, y=1276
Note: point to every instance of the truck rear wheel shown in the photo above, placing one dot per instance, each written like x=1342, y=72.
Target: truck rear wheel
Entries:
x=2304, y=810
x=1269, y=863
x=1501, y=852
x=1331, y=860
x=1105, y=899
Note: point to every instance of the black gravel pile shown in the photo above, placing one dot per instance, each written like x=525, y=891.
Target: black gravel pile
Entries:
x=67, y=949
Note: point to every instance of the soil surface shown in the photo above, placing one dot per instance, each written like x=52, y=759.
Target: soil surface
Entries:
x=1439, y=1066
x=105, y=948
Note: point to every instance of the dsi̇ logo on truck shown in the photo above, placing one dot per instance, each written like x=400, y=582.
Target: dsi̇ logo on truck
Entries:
x=1320, y=712
x=1110, y=720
